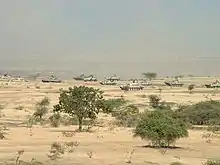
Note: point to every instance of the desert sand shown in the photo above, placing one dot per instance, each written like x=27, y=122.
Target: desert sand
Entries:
x=107, y=145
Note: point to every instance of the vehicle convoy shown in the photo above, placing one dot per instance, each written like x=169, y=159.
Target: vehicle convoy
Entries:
x=51, y=79
x=215, y=84
x=174, y=83
x=131, y=86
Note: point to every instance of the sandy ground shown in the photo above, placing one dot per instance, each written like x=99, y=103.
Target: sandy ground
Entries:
x=107, y=146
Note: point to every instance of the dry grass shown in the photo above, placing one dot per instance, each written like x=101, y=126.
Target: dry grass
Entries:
x=107, y=144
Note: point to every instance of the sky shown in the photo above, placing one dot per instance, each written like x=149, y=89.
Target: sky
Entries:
x=125, y=37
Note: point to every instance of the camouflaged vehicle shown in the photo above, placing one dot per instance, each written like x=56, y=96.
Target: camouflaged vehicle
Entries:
x=174, y=83
x=51, y=79
x=108, y=82
x=79, y=78
x=142, y=82
x=113, y=78
x=90, y=78
x=131, y=86
x=215, y=84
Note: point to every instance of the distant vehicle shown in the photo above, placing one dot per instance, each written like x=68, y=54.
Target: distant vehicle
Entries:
x=215, y=84
x=113, y=78
x=131, y=86
x=142, y=82
x=79, y=78
x=108, y=82
x=174, y=83
x=51, y=79
x=90, y=78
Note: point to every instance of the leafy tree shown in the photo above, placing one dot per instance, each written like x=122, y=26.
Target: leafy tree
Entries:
x=150, y=75
x=82, y=102
x=41, y=108
x=160, y=128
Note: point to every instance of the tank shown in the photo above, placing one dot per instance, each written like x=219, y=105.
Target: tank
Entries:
x=131, y=86
x=174, y=83
x=108, y=82
x=113, y=78
x=145, y=82
x=215, y=84
x=90, y=78
x=79, y=78
x=51, y=79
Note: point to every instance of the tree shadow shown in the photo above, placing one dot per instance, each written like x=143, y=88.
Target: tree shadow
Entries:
x=162, y=147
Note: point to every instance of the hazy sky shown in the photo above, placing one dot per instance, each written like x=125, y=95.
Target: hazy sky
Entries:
x=111, y=36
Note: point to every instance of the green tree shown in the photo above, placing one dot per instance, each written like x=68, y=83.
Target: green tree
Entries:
x=160, y=128
x=150, y=75
x=82, y=102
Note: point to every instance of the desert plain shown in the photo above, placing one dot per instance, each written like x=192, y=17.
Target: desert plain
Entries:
x=105, y=145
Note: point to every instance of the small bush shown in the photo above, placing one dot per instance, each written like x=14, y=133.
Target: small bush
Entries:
x=190, y=88
x=212, y=162
x=41, y=108
x=127, y=116
x=55, y=120
x=2, y=107
x=113, y=104
x=20, y=107
x=160, y=128
x=154, y=100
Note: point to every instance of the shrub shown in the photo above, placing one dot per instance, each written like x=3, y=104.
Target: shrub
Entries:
x=113, y=104
x=154, y=100
x=55, y=120
x=127, y=116
x=212, y=162
x=160, y=128
x=190, y=88
x=202, y=113
x=41, y=108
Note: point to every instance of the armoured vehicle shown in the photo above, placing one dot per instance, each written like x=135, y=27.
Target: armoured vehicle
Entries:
x=113, y=78
x=145, y=82
x=79, y=78
x=141, y=82
x=90, y=78
x=108, y=82
x=51, y=79
x=174, y=83
x=215, y=84
x=131, y=86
